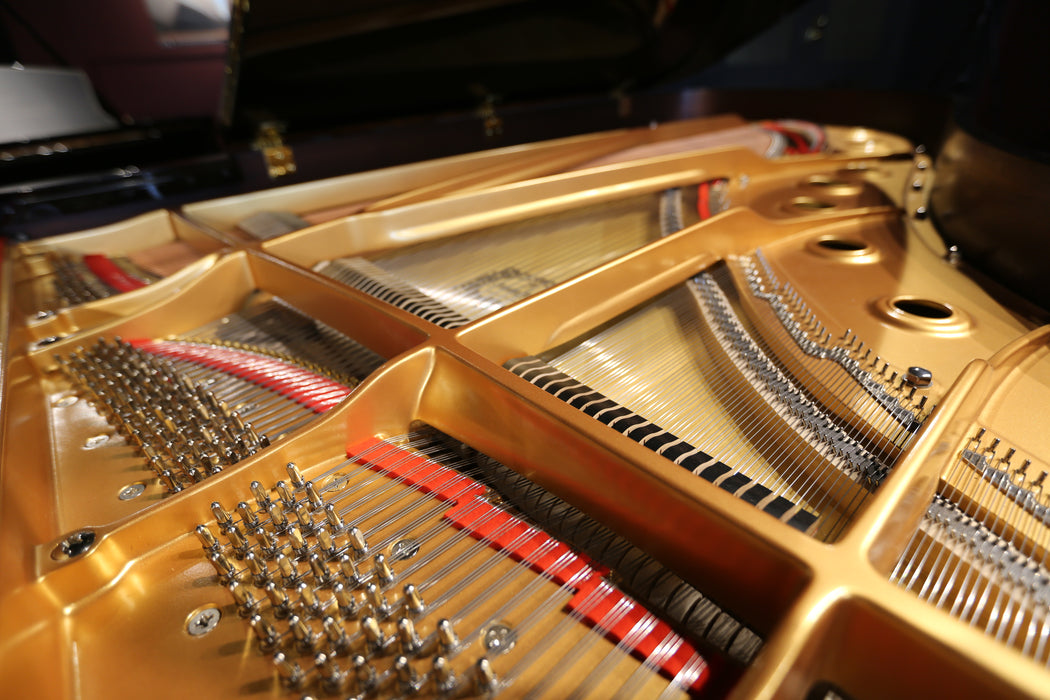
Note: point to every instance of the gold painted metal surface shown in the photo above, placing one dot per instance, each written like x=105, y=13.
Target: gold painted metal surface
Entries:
x=815, y=259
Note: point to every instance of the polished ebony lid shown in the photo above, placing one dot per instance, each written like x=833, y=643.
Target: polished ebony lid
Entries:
x=314, y=64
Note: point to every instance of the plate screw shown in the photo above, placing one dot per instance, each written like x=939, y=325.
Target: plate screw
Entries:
x=203, y=621
x=131, y=491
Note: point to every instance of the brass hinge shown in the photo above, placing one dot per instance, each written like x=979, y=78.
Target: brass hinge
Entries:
x=279, y=158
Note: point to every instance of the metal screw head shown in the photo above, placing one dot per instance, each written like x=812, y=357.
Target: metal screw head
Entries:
x=203, y=621
x=73, y=545
x=498, y=639
x=404, y=549
x=131, y=491
x=95, y=441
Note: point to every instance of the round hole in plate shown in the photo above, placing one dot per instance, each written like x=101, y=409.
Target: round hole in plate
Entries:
x=811, y=203
x=923, y=308
x=842, y=245
x=833, y=186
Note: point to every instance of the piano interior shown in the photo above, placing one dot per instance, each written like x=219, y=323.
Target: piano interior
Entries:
x=700, y=410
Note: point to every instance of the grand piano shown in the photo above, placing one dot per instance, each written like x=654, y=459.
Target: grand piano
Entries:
x=602, y=396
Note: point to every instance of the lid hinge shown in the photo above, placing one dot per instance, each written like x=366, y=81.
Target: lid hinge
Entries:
x=490, y=121
x=279, y=158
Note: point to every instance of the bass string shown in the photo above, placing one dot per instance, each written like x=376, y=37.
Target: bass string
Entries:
x=539, y=254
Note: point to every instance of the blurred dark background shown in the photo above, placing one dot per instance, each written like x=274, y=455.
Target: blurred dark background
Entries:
x=368, y=83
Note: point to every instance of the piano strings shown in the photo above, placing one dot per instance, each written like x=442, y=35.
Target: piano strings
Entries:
x=980, y=552
x=194, y=405
x=690, y=378
x=399, y=569
x=451, y=282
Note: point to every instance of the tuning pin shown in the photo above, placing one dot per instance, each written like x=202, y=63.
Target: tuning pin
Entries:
x=264, y=632
x=295, y=475
x=382, y=571
x=325, y=543
x=280, y=522
x=444, y=678
x=484, y=677
x=207, y=539
x=262, y=498
x=349, y=571
x=304, y=636
x=267, y=543
x=226, y=570
x=248, y=516
x=290, y=672
x=357, y=542
x=278, y=600
x=302, y=514
x=309, y=600
x=244, y=599
x=374, y=597
x=221, y=515
x=365, y=674
x=260, y=575
x=287, y=497
x=332, y=677
x=407, y=680
x=236, y=538
x=344, y=598
x=315, y=498
x=287, y=569
x=336, y=634
x=406, y=634
x=260, y=440
x=447, y=638
x=171, y=482
x=319, y=570
x=334, y=521
x=298, y=542
x=374, y=636
x=413, y=601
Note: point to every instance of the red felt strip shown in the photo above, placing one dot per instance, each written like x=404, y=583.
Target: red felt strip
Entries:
x=445, y=484
x=521, y=542
x=602, y=606
x=595, y=599
x=308, y=388
x=111, y=274
x=703, y=200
